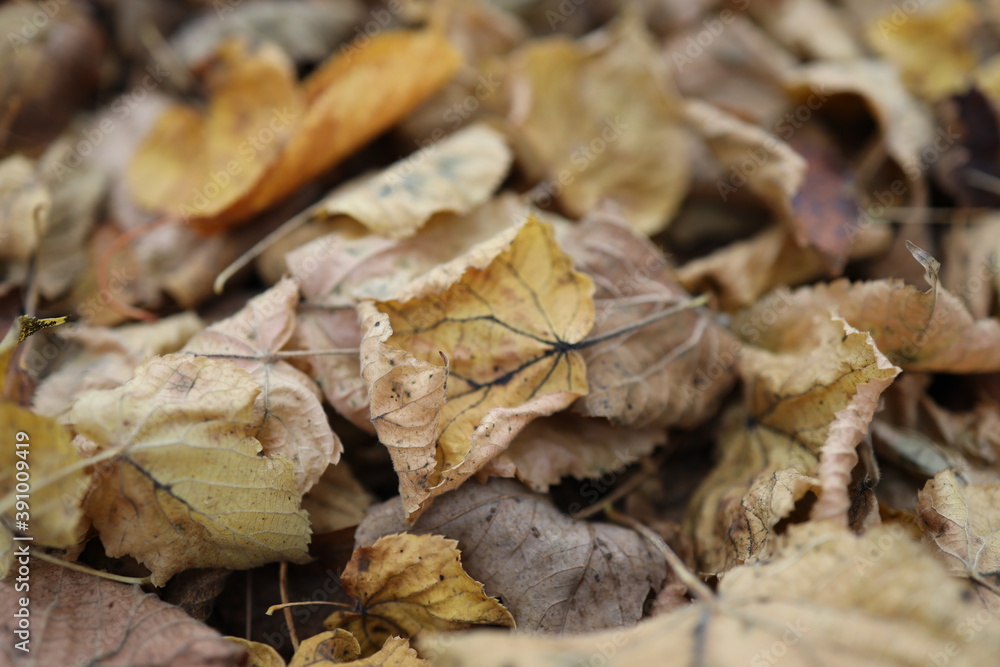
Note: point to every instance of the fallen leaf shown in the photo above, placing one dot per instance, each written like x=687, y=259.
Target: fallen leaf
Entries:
x=735, y=143
x=933, y=45
x=555, y=574
x=800, y=411
x=79, y=620
x=551, y=448
x=506, y=315
x=105, y=358
x=199, y=164
x=456, y=174
x=288, y=415
x=337, y=501
x=259, y=655
x=961, y=519
x=625, y=117
x=829, y=598
x=409, y=584
x=643, y=378
x=334, y=647
x=918, y=330
x=894, y=174
x=326, y=650
x=336, y=269
x=25, y=203
x=183, y=484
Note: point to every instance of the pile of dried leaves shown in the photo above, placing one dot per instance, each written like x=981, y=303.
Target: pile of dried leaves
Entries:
x=615, y=324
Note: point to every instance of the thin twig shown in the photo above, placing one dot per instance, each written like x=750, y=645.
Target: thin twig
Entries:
x=283, y=587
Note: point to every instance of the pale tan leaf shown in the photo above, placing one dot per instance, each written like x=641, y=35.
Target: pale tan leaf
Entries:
x=288, y=415
x=456, y=174
x=185, y=485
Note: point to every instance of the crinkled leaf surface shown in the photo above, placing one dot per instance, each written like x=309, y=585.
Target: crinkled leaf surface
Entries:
x=918, y=330
x=506, y=317
x=406, y=584
x=78, y=620
x=288, y=414
x=963, y=519
x=828, y=598
x=187, y=485
x=556, y=574
x=794, y=407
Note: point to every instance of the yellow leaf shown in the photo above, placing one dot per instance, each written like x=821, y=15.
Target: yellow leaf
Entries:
x=406, y=584
x=24, y=326
x=506, y=316
x=598, y=117
x=265, y=135
x=185, y=485
x=261, y=655
x=334, y=647
x=39, y=456
x=933, y=46
x=339, y=648
x=202, y=162
x=798, y=409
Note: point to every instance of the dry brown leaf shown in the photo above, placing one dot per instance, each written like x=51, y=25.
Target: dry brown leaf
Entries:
x=918, y=330
x=830, y=598
x=338, y=268
x=337, y=501
x=184, y=484
x=645, y=377
x=298, y=131
x=288, y=415
x=506, y=317
x=78, y=620
x=327, y=649
x=551, y=448
x=408, y=584
x=961, y=518
x=893, y=174
x=812, y=29
x=625, y=118
x=734, y=141
x=798, y=410
x=555, y=574
x=456, y=174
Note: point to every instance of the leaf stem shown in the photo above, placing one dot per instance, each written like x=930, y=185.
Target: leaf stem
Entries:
x=688, y=578
x=88, y=570
x=688, y=304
